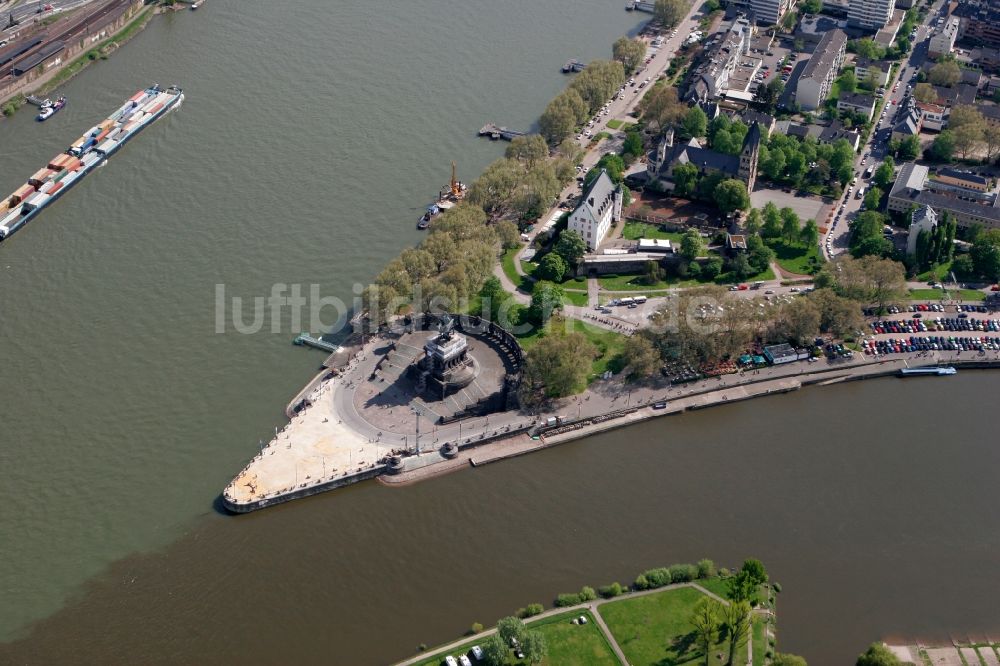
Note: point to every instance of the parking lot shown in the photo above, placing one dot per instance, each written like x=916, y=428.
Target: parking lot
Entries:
x=806, y=207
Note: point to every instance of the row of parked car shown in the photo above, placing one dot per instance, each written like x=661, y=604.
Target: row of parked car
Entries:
x=932, y=343
x=960, y=323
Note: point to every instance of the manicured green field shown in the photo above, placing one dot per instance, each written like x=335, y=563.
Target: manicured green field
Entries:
x=578, y=644
x=937, y=274
x=638, y=283
x=615, y=124
x=656, y=629
x=507, y=262
x=609, y=344
x=637, y=230
x=578, y=298
x=759, y=641
x=796, y=258
x=938, y=294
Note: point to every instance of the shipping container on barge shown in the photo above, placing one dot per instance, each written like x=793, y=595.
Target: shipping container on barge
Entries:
x=84, y=155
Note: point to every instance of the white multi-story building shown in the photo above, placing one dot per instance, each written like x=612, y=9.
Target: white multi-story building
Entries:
x=769, y=12
x=870, y=14
x=924, y=219
x=943, y=41
x=820, y=72
x=598, y=209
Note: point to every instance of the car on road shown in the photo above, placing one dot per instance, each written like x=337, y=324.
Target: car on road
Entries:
x=659, y=405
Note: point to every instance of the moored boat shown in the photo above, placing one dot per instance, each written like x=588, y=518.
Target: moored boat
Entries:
x=934, y=371
x=49, y=109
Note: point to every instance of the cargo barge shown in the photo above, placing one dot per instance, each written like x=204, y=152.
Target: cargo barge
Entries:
x=85, y=154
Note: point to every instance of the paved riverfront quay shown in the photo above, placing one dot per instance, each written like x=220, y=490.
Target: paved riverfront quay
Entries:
x=364, y=414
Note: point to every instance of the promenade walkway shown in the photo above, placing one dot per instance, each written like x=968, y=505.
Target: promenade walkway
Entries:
x=592, y=606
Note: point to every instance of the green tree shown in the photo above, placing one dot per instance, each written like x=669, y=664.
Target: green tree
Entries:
x=711, y=268
x=789, y=225
x=878, y=655
x=705, y=620
x=848, y=82
x=691, y=245
x=632, y=145
x=754, y=568
x=685, y=179
x=741, y=587
x=495, y=651
x=909, y=148
x=534, y=647
x=629, y=52
x=562, y=116
x=867, y=48
x=753, y=222
x=943, y=148
x=985, y=256
x=767, y=95
x=774, y=166
x=772, y=221
x=946, y=73
x=731, y=195
x=781, y=659
x=885, y=174
x=695, y=122
x=546, y=297
x=873, y=198
x=510, y=628
x=529, y=149
x=641, y=357
x=613, y=164
x=552, y=267
x=736, y=617
x=571, y=247
x=809, y=236
x=556, y=366
x=924, y=92
x=706, y=568
x=670, y=12
x=812, y=6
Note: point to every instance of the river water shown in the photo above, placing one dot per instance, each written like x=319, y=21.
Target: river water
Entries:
x=311, y=137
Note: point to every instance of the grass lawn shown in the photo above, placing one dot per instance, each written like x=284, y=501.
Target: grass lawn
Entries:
x=568, y=644
x=656, y=629
x=938, y=294
x=615, y=124
x=609, y=344
x=637, y=230
x=578, y=298
x=636, y=283
x=715, y=585
x=795, y=258
x=936, y=274
x=725, y=278
x=507, y=262
x=584, y=645
x=759, y=641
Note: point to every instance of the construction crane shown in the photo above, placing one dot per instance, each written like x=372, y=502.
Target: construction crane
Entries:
x=457, y=188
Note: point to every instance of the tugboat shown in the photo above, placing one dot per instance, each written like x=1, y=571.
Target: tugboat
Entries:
x=50, y=109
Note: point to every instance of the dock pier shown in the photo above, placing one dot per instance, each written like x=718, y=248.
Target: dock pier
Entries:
x=494, y=132
x=640, y=6
x=307, y=340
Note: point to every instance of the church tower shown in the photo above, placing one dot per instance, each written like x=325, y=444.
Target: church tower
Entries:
x=749, y=156
x=659, y=156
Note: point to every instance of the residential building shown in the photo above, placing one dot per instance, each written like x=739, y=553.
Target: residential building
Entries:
x=943, y=41
x=991, y=113
x=857, y=103
x=914, y=189
x=878, y=69
x=964, y=179
x=766, y=121
x=820, y=72
x=769, y=12
x=924, y=219
x=909, y=120
x=599, y=207
x=720, y=58
x=870, y=14
x=979, y=23
x=662, y=161
x=933, y=116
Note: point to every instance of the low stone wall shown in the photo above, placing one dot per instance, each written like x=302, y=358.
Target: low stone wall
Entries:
x=304, y=492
